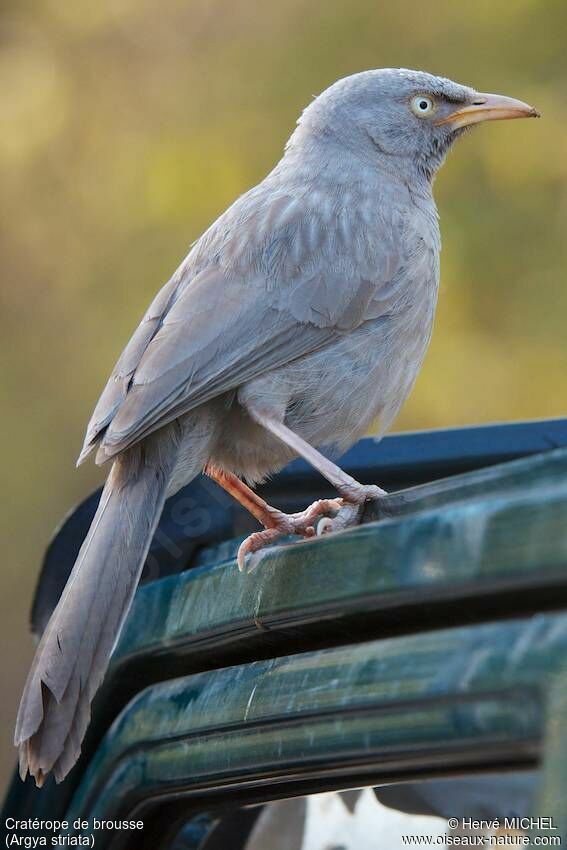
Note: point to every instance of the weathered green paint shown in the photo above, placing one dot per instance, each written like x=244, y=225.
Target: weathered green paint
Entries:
x=388, y=699
x=505, y=523
x=427, y=698
x=435, y=694
x=552, y=798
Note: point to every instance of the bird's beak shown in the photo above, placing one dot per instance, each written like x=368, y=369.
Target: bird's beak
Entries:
x=488, y=107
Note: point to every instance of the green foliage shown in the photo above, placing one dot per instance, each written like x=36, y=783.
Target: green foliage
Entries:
x=128, y=125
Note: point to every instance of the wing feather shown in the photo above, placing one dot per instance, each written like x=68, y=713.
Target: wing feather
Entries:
x=249, y=299
x=118, y=384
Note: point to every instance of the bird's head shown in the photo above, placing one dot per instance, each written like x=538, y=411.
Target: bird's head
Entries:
x=409, y=119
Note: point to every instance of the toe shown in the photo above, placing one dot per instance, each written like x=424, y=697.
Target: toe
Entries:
x=241, y=557
x=255, y=542
x=304, y=523
x=357, y=494
x=349, y=515
x=372, y=491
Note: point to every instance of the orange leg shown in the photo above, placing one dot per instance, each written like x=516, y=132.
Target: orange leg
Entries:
x=353, y=494
x=276, y=523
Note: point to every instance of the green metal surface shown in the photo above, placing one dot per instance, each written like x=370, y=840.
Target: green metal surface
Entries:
x=401, y=687
x=453, y=697
x=505, y=524
x=553, y=788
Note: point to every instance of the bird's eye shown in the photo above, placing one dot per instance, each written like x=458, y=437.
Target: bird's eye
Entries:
x=422, y=105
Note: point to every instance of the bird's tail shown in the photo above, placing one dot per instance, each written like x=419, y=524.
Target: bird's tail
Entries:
x=74, y=651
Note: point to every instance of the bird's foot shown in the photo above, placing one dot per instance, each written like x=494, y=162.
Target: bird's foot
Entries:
x=350, y=513
x=357, y=494
x=279, y=524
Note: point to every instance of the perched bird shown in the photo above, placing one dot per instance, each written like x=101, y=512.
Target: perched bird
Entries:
x=299, y=318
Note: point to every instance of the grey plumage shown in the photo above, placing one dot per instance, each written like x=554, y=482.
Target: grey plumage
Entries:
x=310, y=301
x=75, y=647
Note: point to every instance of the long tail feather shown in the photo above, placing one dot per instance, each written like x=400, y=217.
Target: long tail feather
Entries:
x=75, y=649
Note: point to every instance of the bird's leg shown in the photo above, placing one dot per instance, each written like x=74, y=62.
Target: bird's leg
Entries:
x=276, y=523
x=353, y=494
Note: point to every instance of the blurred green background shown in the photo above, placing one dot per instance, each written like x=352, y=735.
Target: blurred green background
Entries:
x=128, y=125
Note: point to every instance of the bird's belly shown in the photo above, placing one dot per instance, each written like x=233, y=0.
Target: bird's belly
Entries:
x=361, y=382
x=332, y=397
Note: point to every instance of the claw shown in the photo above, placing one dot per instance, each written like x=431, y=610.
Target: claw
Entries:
x=324, y=526
x=312, y=521
x=255, y=542
x=302, y=524
x=348, y=516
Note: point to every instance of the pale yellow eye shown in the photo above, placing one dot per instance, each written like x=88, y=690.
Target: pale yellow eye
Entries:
x=422, y=105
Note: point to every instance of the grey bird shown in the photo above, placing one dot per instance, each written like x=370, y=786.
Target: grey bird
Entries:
x=299, y=318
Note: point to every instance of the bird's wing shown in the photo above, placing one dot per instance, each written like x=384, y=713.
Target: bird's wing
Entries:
x=118, y=384
x=279, y=285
